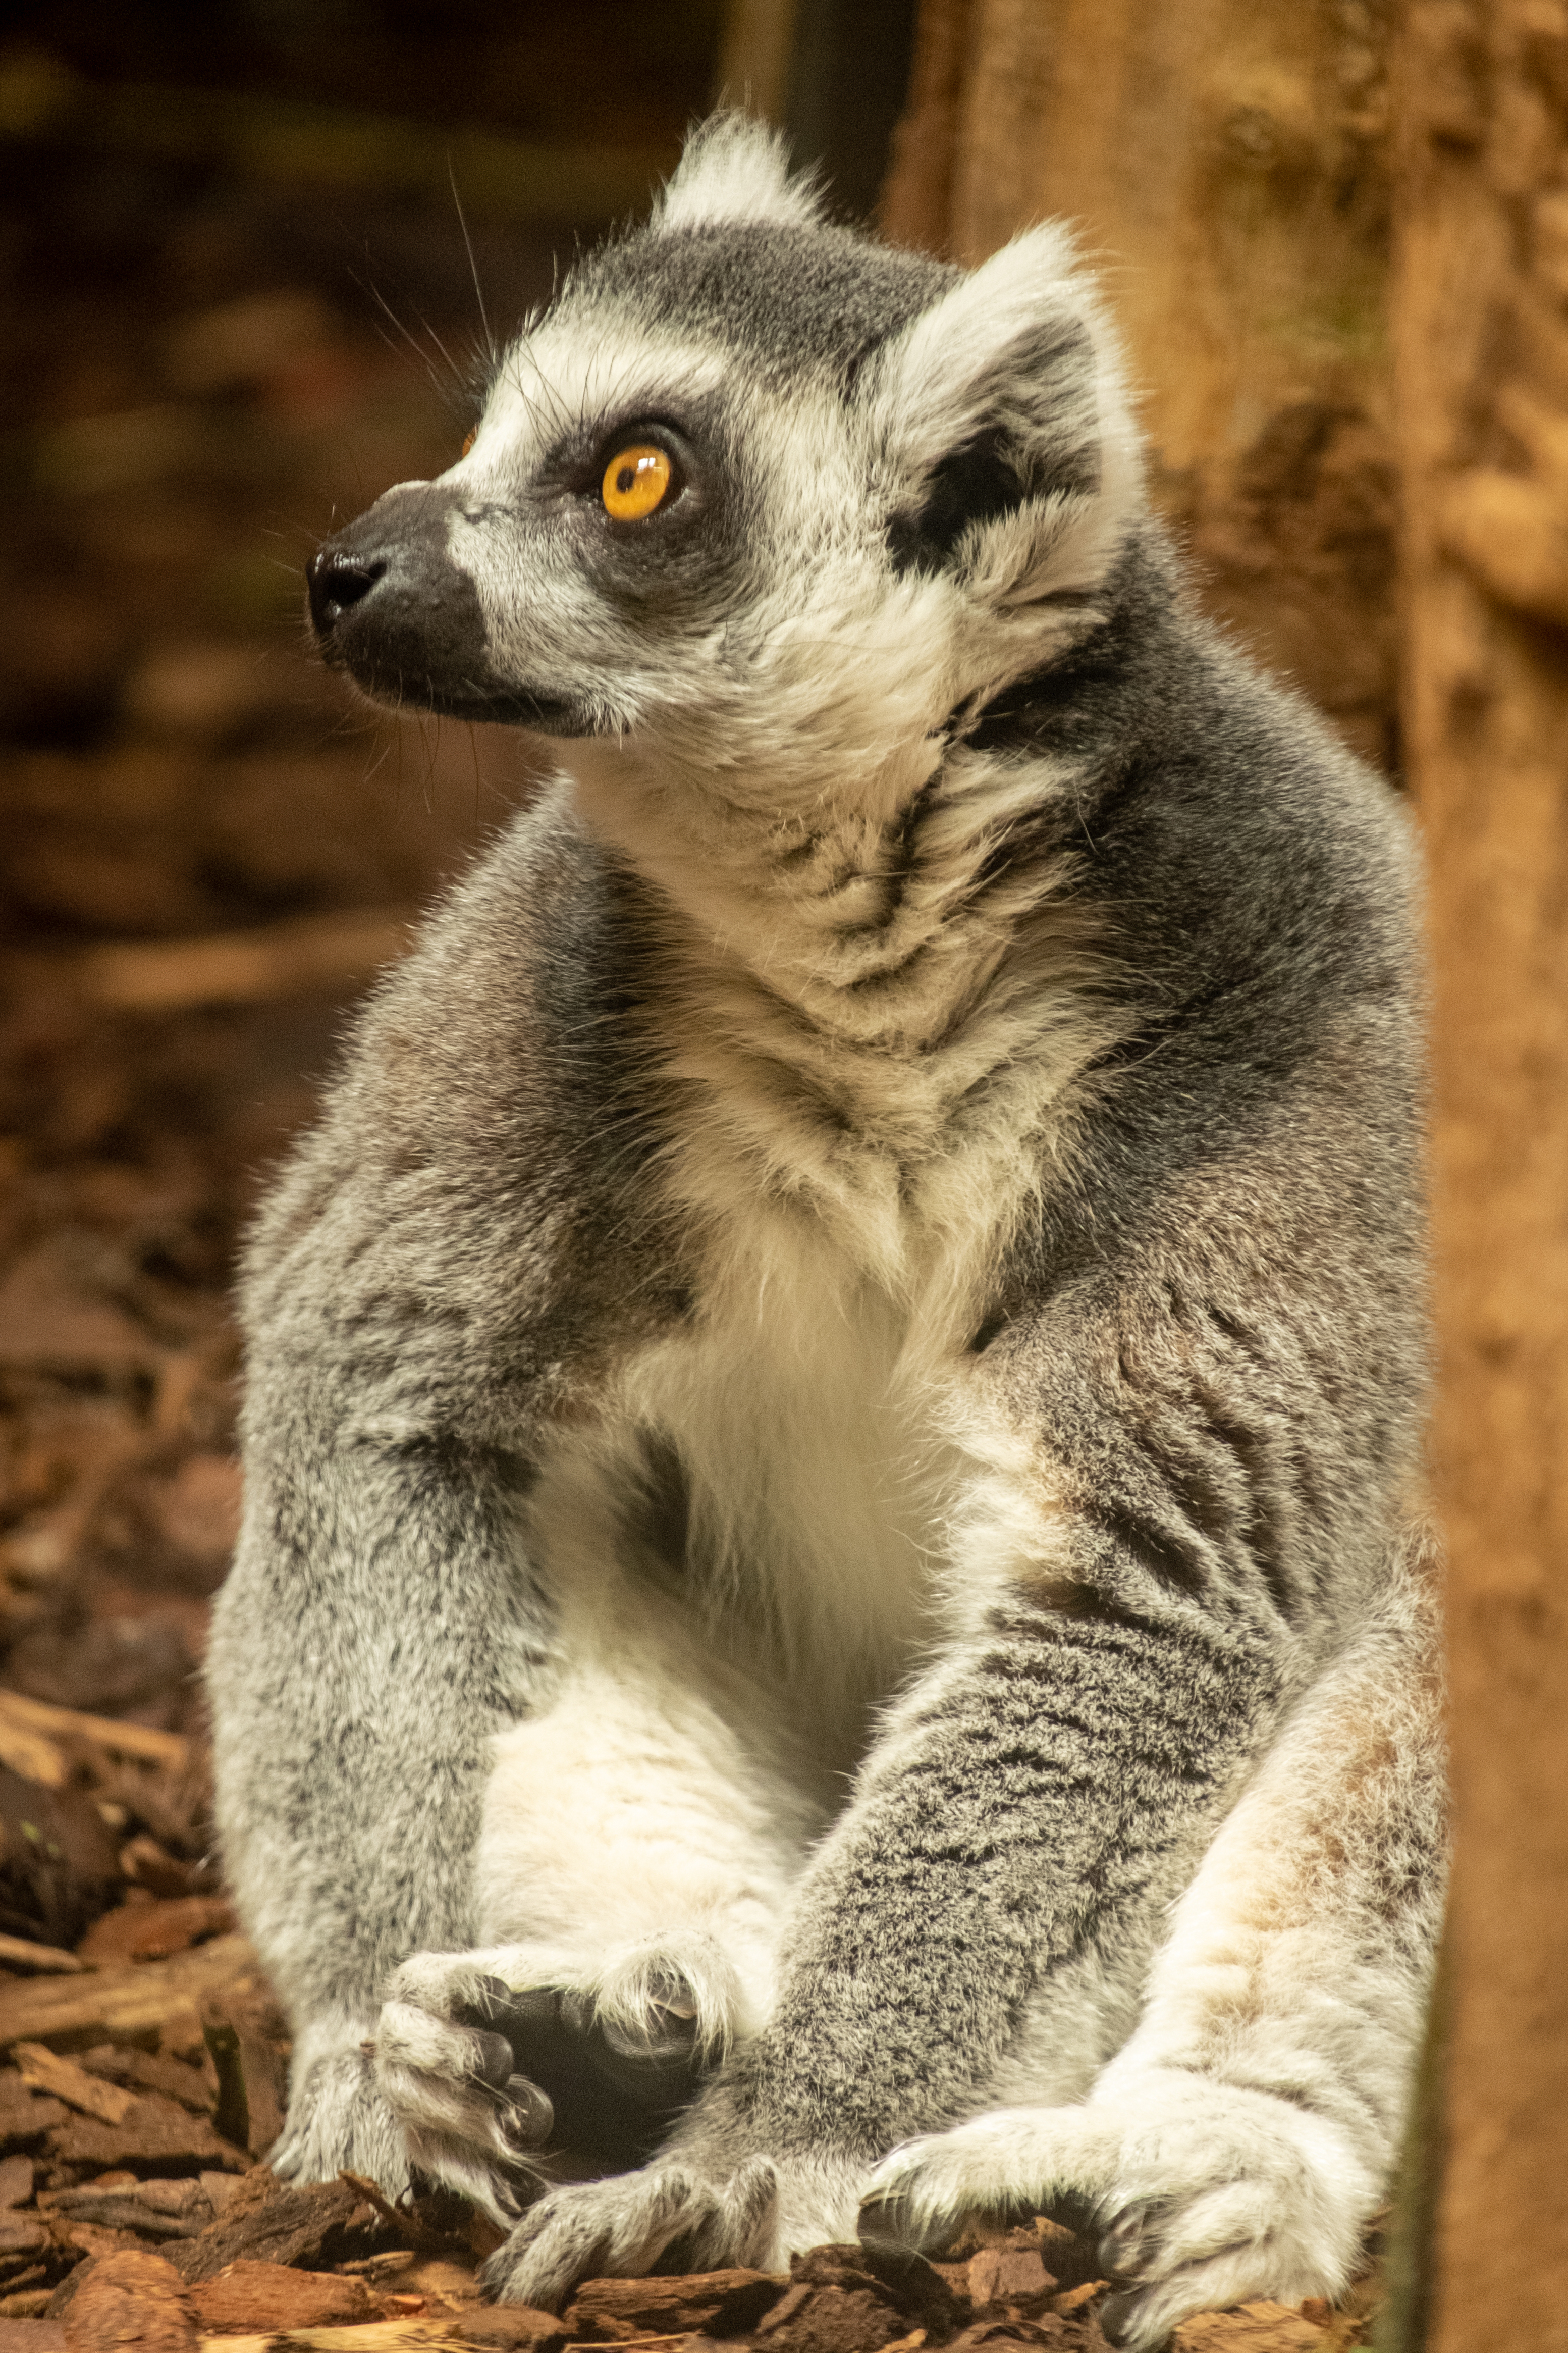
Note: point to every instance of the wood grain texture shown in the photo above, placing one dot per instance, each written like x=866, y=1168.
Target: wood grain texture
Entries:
x=128, y=2005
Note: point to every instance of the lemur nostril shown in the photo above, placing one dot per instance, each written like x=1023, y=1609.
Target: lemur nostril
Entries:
x=336, y=584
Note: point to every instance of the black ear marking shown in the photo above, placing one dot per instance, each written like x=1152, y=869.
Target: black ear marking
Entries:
x=976, y=484
x=1035, y=433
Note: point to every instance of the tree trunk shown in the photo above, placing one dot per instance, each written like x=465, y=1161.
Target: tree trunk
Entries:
x=1481, y=330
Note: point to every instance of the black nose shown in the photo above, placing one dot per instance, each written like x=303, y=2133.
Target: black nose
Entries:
x=335, y=583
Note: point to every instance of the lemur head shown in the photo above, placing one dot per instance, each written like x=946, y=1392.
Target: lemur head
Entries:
x=756, y=493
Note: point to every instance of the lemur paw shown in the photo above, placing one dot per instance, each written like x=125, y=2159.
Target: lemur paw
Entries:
x=484, y=2059
x=623, y=2227
x=337, y=2122
x=1200, y=2195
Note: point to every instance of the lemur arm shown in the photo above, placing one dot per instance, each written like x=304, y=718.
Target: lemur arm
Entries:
x=1182, y=1523
x=377, y=1630
x=412, y=1290
x=1040, y=1795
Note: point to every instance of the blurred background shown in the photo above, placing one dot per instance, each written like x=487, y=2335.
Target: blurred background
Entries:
x=243, y=253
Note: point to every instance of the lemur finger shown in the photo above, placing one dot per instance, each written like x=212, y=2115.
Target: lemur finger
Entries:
x=493, y=2061
x=523, y=2010
x=505, y=2128
x=667, y=2029
x=616, y=2228
x=460, y=2123
x=408, y=2036
x=533, y=2021
x=496, y=2191
x=667, y=2035
x=608, y=2075
x=886, y=2221
x=528, y=2113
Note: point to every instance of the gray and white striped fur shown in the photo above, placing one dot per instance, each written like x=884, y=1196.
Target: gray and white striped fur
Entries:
x=834, y=1404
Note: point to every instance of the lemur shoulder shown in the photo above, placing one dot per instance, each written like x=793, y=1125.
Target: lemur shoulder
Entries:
x=829, y=1606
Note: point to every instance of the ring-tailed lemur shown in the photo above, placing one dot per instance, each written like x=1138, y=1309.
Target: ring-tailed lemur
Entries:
x=827, y=1580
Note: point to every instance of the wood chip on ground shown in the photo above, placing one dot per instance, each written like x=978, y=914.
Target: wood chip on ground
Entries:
x=42, y=2070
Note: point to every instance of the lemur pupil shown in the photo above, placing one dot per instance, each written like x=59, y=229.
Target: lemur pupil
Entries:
x=625, y=477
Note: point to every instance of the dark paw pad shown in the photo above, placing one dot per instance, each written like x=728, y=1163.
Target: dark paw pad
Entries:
x=613, y=2092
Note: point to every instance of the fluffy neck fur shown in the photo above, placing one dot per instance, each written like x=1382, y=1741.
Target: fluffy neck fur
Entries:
x=879, y=1012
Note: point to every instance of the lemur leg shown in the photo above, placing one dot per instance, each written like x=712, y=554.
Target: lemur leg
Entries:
x=1238, y=2143
x=640, y=1838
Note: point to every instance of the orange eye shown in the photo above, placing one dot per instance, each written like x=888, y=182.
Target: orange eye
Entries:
x=471, y=441
x=635, y=481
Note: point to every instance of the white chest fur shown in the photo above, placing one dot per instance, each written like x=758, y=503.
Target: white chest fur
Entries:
x=867, y=1057
x=741, y=1554
x=771, y=1479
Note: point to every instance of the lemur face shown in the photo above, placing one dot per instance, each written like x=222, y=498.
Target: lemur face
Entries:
x=751, y=481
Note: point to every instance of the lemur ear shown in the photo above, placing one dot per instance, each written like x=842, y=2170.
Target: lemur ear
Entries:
x=734, y=168
x=1002, y=418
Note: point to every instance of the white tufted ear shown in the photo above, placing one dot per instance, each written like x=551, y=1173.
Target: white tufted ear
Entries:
x=1002, y=416
x=734, y=168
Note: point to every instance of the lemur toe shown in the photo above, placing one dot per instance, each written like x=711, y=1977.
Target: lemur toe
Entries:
x=1119, y=2320
x=1125, y=2238
x=885, y=2222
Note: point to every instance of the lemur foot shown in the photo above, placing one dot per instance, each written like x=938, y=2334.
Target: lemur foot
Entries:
x=485, y=2060
x=1202, y=2195
x=338, y=2122
x=623, y=2227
